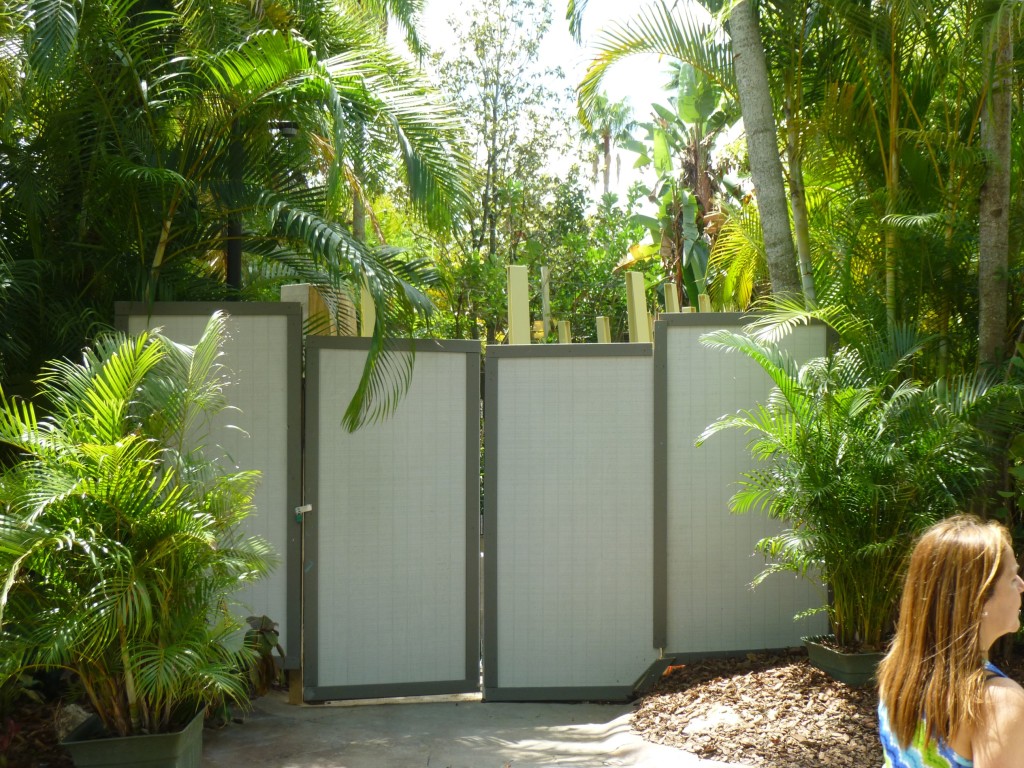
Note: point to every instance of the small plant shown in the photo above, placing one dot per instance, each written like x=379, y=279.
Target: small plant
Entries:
x=263, y=638
x=119, y=539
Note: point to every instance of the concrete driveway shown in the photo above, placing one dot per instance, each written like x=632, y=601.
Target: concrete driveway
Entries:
x=448, y=734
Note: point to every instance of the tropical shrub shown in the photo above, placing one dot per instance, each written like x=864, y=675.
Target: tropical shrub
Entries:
x=856, y=458
x=119, y=537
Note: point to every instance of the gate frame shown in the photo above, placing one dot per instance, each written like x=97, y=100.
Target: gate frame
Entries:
x=470, y=683
x=491, y=690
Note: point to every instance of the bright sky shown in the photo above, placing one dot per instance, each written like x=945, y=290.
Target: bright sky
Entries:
x=638, y=79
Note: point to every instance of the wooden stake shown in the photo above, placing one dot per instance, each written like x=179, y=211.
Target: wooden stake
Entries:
x=518, y=304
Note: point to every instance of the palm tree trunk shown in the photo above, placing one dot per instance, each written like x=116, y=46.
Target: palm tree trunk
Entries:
x=359, y=172
x=762, y=148
x=798, y=201
x=233, y=248
x=358, y=218
x=994, y=203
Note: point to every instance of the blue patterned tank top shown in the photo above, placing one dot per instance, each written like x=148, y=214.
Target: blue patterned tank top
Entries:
x=922, y=752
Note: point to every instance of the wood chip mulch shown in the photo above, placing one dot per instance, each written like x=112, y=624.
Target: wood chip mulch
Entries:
x=29, y=738
x=767, y=710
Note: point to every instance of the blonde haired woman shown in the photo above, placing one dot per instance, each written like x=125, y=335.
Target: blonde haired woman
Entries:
x=942, y=703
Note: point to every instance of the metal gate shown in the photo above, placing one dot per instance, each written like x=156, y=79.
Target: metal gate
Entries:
x=608, y=544
x=391, y=567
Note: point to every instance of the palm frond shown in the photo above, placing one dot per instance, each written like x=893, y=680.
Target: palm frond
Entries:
x=681, y=31
x=574, y=15
x=55, y=34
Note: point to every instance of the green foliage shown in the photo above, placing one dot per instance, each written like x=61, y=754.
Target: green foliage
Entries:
x=517, y=121
x=133, y=132
x=855, y=457
x=119, y=538
x=586, y=279
x=688, y=185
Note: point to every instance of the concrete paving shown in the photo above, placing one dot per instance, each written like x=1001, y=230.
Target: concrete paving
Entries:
x=441, y=734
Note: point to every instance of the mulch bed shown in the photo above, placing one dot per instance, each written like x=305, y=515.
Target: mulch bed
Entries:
x=29, y=738
x=766, y=710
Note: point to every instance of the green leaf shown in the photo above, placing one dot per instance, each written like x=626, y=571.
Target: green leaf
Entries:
x=665, y=113
x=662, y=153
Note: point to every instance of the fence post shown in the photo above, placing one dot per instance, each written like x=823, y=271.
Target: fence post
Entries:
x=313, y=306
x=704, y=302
x=636, y=308
x=564, y=335
x=518, y=304
x=604, y=330
x=545, y=299
x=367, y=313
x=671, y=297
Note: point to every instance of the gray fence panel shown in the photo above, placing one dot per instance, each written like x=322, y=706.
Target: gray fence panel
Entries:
x=568, y=524
x=262, y=431
x=392, y=546
x=704, y=556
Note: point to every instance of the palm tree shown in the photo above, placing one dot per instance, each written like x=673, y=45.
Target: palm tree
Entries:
x=152, y=126
x=740, y=70
x=994, y=205
x=856, y=457
x=755, y=98
x=608, y=124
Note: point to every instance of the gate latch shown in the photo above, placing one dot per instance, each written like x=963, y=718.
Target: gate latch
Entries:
x=301, y=511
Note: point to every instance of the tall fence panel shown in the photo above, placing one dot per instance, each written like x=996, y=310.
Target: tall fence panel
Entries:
x=392, y=544
x=568, y=525
x=704, y=555
x=262, y=431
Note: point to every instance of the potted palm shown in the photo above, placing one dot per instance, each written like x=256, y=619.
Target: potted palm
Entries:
x=120, y=548
x=855, y=458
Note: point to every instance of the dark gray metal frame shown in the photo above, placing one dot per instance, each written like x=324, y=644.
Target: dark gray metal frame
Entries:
x=312, y=692
x=491, y=690
x=292, y=312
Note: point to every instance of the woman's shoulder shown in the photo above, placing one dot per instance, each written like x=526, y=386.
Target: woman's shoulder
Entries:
x=1000, y=683
x=998, y=739
x=1002, y=690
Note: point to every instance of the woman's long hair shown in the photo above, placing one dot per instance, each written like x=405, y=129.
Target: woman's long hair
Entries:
x=935, y=666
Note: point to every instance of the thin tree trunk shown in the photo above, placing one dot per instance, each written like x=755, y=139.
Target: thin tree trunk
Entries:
x=945, y=310
x=891, y=196
x=607, y=141
x=763, y=149
x=801, y=219
x=994, y=203
x=358, y=219
x=233, y=248
x=358, y=206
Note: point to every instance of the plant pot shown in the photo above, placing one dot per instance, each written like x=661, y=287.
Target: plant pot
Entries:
x=856, y=669
x=90, y=748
